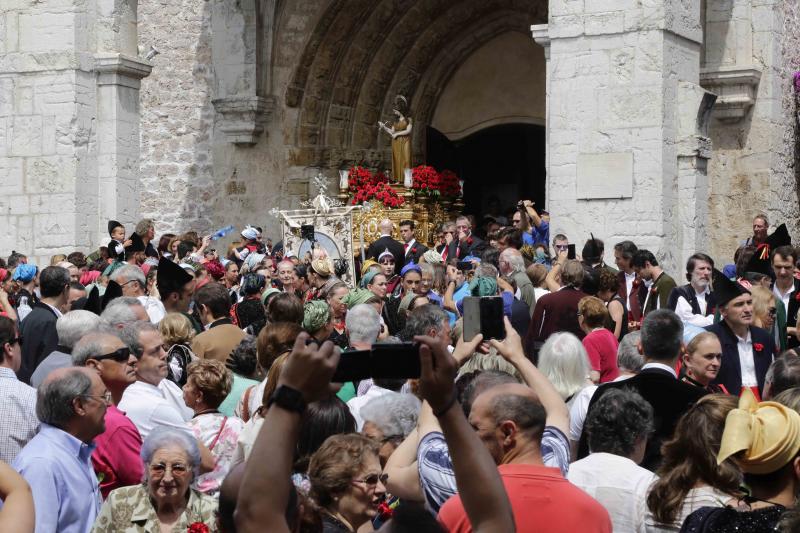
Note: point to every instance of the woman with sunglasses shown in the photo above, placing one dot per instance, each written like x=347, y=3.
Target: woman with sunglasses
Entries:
x=165, y=500
x=765, y=310
x=347, y=482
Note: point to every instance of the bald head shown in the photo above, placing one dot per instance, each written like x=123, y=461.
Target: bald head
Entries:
x=386, y=226
x=69, y=372
x=516, y=403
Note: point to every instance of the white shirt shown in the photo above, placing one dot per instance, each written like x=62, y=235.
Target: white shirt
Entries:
x=746, y=362
x=148, y=408
x=694, y=500
x=662, y=367
x=783, y=296
x=409, y=245
x=58, y=313
x=580, y=407
x=629, y=279
x=355, y=404
x=619, y=484
x=155, y=309
x=174, y=395
x=684, y=310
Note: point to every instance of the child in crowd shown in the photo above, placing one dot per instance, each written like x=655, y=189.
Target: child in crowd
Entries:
x=116, y=248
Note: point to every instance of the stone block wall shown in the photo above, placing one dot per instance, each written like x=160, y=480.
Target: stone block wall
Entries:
x=47, y=132
x=753, y=167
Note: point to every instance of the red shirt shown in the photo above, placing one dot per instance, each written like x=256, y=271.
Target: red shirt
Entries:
x=602, y=345
x=116, y=459
x=541, y=499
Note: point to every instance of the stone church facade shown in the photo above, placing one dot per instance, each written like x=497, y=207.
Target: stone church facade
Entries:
x=671, y=122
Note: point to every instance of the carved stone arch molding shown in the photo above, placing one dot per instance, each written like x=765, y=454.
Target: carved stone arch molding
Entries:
x=242, y=45
x=362, y=53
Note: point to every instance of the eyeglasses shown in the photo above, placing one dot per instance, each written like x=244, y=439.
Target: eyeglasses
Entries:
x=121, y=356
x=561, y=246
x=772, y=311
x=372, y=479
x=159, y=469
x=15, y=340
x=105, y=397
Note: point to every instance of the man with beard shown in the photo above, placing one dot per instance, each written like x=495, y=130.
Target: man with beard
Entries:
x=747, y=351
x=694, y=303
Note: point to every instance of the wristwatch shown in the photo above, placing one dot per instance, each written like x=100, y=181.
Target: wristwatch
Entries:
x=289, y=399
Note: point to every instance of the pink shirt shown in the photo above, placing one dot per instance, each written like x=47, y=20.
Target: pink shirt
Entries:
x=602, y=345
x=116, y=459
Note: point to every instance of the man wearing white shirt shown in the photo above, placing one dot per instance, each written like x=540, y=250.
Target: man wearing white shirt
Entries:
x=695, y=303
x=787, y=289
x=411, y=248
x=618, y=429
x=145, y=402
x=133, y=282
x=623, y=257
x=747, y=351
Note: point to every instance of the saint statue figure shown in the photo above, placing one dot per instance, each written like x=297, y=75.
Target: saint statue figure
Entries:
x=401, y=138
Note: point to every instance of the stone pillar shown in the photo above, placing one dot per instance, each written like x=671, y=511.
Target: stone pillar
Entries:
x=615, y=69
x=59, y=137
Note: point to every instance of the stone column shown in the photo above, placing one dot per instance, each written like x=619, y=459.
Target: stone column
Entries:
x=68, y=122
x=613, y=159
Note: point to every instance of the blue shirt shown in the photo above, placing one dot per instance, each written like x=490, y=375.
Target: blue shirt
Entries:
x=57, y=466
x=458, y=295
x=537, y=235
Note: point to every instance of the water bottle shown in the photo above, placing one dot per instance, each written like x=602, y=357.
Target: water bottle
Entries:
x=220, y=233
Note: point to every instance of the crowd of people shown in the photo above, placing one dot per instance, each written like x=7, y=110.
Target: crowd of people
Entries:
x=165, y=385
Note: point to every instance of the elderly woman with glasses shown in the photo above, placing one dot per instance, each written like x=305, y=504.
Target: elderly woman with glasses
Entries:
x=165, y=501
x=347, y=482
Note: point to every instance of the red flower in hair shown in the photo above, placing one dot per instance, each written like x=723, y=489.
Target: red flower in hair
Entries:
x=198, y=527
x=757, y=346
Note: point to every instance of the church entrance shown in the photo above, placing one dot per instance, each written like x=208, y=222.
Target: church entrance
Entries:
x=500, y=165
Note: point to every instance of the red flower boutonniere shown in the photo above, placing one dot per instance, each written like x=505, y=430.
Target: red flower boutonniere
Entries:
x=653, y=291
x=469, y=241
x=797, y=296
x=198, y=527
x=757, y=346
x=414, y=251
x=384, y=511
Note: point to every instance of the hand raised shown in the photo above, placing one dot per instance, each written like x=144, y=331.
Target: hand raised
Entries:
x=310, y=367
x=511, y=347
x=437, y=379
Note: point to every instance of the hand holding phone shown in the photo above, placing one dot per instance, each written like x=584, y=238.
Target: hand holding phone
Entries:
x=483, y=315
x=570, y=251
x=387, y=361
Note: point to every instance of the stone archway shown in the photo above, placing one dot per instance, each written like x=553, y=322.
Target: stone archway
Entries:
x=362, y=53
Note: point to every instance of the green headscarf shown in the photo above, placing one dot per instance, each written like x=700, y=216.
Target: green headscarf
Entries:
x=356, y=296
x=316, y=314
x=267, y=293
x=367, y=279
x=483, y=286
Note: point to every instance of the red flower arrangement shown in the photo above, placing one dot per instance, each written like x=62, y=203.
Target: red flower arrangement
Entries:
x=198, y=527
x=757, y=346
x=448, y=184
x=426, y=180
x=366, y=186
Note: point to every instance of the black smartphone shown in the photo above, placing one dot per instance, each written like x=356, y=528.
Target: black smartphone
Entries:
x=395, y=361
x=387, y=361
x=570, y=251
x=484, y=315
x=353, y=366
x=465, y=265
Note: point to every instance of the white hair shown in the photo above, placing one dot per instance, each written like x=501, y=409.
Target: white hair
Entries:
x=74, y=325
x=394, y=413
x=363, y=324
x=162, y=437
x=119, y=311
x=564, y=361
x=130, y=273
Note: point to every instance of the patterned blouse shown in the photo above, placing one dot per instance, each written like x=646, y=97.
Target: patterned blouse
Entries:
x=128, y=510
x=222, y=443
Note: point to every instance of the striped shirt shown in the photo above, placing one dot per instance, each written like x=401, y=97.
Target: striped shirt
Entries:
x=436, y=469
x=18, y=422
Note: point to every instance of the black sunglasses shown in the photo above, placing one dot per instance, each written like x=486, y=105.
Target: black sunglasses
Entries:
x=122, y=355
x=15, y=340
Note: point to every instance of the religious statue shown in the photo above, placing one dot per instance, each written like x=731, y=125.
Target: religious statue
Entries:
x=401, y=138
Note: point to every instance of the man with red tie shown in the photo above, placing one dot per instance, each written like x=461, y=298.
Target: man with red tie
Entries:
x=412, y=249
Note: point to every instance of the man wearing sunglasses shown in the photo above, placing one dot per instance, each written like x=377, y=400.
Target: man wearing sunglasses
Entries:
x=18, y=422
x=116, y=458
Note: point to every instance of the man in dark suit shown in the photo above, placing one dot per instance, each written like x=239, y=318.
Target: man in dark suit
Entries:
x=38, y=330
x=657, y=382
x=628, y=288
x=386, y=242
x=448, y=249
x=787, y=289
x=557, y=311
x=747, y=351
x=468, y=244
x=412, y=250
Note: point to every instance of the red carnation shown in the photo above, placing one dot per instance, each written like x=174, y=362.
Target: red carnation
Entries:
x=797, y=296
x=198, y=527
x=757, y=346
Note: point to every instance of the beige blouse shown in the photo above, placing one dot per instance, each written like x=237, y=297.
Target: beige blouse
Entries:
x=128, y=510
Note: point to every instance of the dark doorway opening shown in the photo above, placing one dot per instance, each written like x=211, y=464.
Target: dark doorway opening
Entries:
x=506, y=163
